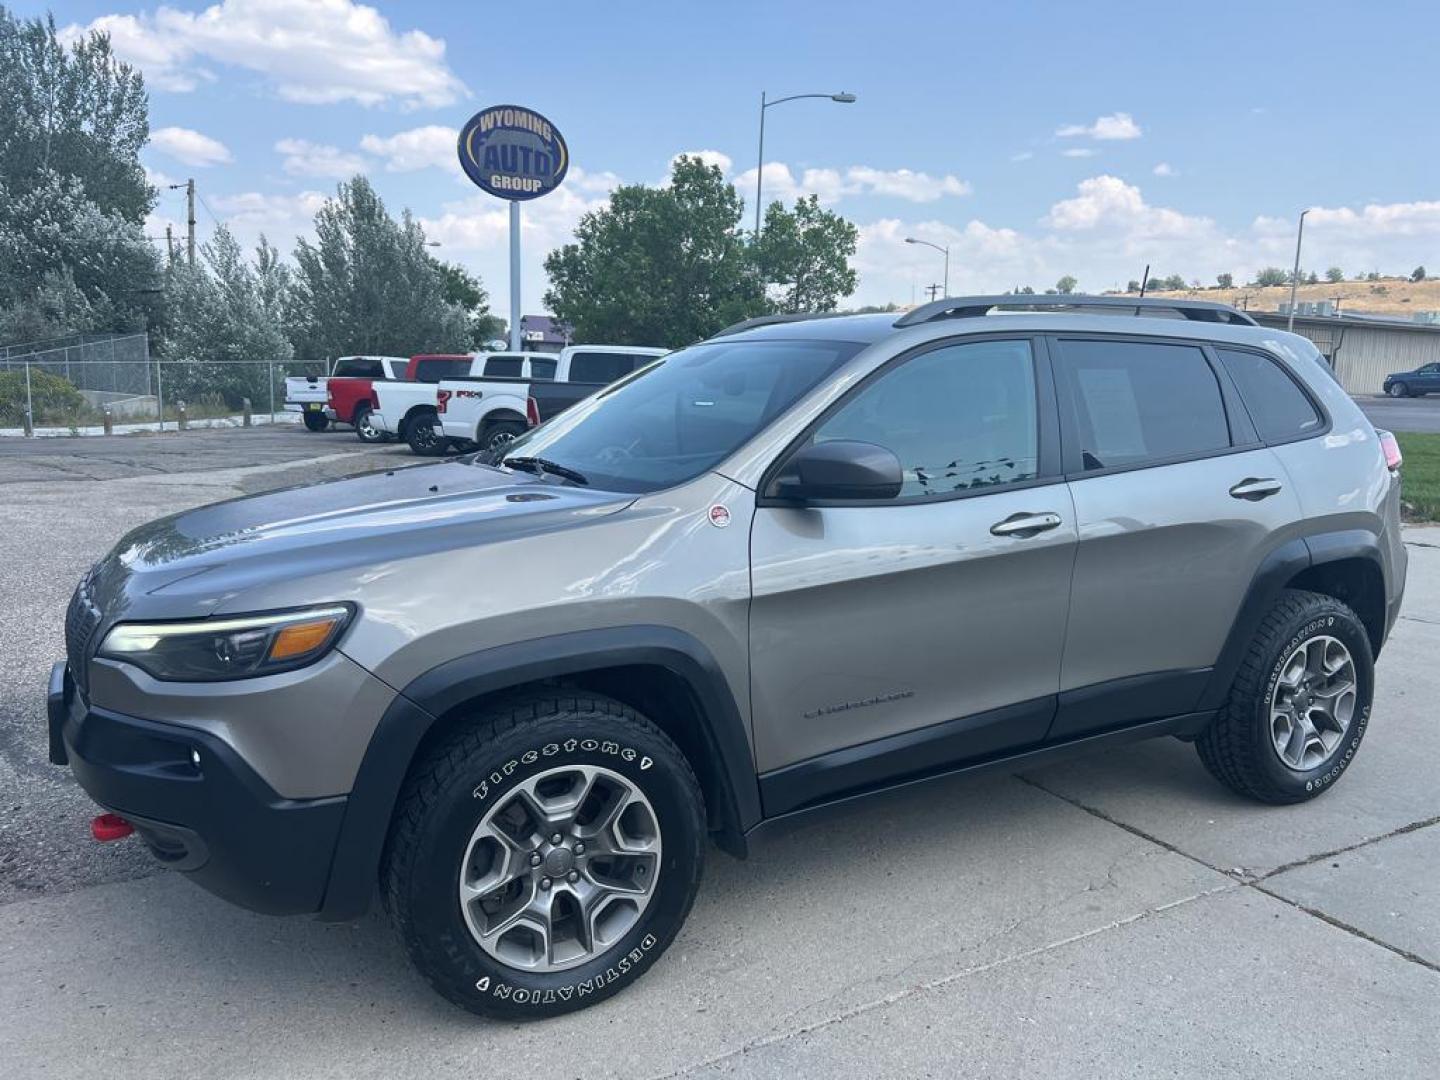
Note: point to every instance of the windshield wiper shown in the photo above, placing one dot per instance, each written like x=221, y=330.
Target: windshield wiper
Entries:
x=540, y=466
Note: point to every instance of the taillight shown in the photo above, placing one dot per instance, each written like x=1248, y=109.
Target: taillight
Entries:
x=442, y=398
x=1391, y=448
x=532, y=412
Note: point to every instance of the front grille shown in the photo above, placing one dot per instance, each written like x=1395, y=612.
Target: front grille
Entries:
x=82, y=619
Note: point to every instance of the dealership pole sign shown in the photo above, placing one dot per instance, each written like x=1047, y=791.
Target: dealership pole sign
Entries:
x=515, y=154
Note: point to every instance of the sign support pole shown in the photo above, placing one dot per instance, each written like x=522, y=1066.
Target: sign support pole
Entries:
x=514, y=276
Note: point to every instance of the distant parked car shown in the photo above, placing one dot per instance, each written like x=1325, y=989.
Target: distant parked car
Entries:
x=309, y=395
x=1423, y=380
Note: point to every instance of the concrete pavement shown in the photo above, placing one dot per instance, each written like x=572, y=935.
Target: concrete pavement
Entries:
x=1113, y=916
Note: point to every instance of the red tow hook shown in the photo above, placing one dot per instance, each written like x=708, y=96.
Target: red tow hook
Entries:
x=108, y=827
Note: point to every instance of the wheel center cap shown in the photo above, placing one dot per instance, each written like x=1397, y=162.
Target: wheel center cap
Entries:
x=559, y=862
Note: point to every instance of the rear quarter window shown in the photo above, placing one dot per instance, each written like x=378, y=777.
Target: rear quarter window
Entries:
x=1280, y=410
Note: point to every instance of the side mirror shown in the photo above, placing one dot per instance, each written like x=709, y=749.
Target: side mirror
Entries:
x=842, y=469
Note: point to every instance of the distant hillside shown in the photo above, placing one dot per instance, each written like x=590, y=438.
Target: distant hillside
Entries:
x=1388, y=296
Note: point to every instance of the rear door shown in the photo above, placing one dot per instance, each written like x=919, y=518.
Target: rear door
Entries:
x=898, y=636
x=1176, y=503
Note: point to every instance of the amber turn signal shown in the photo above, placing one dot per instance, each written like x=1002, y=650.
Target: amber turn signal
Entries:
x=301, y=638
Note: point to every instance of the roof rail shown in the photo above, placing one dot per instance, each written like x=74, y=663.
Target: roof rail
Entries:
x=962, y=307
x=772, y=320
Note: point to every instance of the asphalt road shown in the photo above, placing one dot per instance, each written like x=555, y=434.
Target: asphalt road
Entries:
x=1119, y=915
x=1403, y=414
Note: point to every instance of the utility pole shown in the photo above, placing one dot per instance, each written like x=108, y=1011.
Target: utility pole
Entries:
x=169, y=246
x=190, y=223
x=933, y=290
x=1295, y=274
x=189, y=187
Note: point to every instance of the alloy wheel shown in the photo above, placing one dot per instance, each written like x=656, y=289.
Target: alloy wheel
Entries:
x=560, y=868
x=1313, y=702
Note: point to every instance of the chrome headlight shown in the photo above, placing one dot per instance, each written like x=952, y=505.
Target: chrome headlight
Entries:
x=232, y=647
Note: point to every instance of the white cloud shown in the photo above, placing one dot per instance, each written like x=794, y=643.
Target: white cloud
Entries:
x=1118, y=125
x=1079, y=151
x=431, y=146
x=709, y=157
x=1165, y=169
x=1023, y=155
x=311, y=51
x=305, y=158
x=831, y=185
x=190, y=147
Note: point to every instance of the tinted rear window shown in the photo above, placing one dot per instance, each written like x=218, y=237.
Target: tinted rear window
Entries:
x=543, y=370
x=503, y=367
x=436, y=368
x=1275, y=403
x=1136, y=402
x=359, y=367
x=602, y=367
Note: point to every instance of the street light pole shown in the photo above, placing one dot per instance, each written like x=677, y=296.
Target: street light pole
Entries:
x=944, y=250
x=842, y=98
x=1295, y=274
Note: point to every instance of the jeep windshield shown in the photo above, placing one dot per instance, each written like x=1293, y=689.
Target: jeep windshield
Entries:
x=680, y=417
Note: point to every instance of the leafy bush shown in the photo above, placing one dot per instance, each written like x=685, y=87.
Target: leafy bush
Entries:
x=52, y=397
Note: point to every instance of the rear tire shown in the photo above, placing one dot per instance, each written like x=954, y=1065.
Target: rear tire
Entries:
x=463, y=885
x=1273, y=740
x=423, y=434
x=315, y=421
x=1398, y=389
x=364, y=429
x=500, y=432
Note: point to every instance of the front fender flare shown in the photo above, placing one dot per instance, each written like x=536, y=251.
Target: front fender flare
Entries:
x=415, y=710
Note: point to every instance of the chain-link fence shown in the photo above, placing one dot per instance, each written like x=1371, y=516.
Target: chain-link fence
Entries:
x=84, y=385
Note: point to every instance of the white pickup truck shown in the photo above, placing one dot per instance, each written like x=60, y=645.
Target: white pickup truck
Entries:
x=489, y=411
x=407, y=410
x=308, y=394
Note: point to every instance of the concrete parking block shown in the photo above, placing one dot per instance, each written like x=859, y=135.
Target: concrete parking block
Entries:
x=1233, y=985
x=1389, y=890
x=821, y=920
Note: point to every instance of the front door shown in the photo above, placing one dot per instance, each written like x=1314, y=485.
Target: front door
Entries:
x=928, y=626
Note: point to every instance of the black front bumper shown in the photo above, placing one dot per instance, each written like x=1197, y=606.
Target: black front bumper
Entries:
x=196, y=803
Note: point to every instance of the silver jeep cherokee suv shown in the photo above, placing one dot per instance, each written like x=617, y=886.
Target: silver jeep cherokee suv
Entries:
x=801, y=561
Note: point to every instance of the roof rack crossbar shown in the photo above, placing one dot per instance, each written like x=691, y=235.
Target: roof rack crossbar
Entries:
x=962, y=307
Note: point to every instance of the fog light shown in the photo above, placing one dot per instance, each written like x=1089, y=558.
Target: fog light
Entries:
x=195, y=758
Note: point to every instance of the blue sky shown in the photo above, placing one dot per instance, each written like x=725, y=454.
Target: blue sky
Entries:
x=1035, y=139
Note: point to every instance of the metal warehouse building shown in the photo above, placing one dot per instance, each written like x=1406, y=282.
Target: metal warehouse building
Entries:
x=1363, y=349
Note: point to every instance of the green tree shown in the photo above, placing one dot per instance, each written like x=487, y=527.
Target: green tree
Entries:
x=1066, y=285
x=73, y=195
x=1272, y=275
x=658, y=266
x=1225, y=281
x=464, y=290
x=1334, y=275
x=1418, y=274
x=228, y=319
x=1133, y=285
x=368, y=285
x=808, y=251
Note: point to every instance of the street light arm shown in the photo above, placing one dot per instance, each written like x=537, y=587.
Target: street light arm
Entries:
x=943, y=250
x=797, y=97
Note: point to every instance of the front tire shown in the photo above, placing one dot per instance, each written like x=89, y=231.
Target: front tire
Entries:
x=544, y=854
x=316, y=421
x=1398, y=389
x=1300, y=704
x=423, y=434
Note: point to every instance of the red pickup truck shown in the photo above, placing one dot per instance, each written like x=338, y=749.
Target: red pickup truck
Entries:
x=352, y=400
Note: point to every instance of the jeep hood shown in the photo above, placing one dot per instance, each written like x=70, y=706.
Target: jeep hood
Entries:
x=356, y=521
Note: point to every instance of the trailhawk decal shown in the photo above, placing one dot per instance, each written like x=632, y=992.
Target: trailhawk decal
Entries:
x=618, y=970
x=555, y=749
